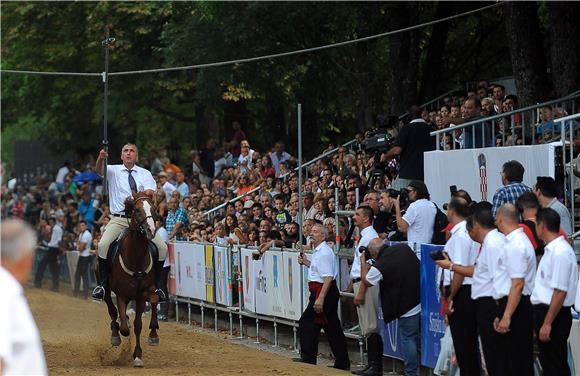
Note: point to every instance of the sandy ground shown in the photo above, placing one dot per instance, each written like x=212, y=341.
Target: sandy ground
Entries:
x=75, y=335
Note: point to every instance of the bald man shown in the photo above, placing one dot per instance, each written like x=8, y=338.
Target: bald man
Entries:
x=513, y=285
x=20, y=347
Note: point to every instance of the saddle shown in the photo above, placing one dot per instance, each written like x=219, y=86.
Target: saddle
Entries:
x=115, y=246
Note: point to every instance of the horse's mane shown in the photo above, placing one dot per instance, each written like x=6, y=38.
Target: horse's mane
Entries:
x=130, y=202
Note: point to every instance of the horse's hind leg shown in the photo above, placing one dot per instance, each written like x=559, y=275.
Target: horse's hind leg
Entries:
x=153, y=325
x=115, y=338
x=122, y=306
x=138, y=323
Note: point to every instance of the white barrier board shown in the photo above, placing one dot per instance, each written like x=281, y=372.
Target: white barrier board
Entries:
x=292, y=281
x=262, y=294
x=223, y=287
x=275, y=282
x=478, y=170
x=185, y=276
x=248, y=291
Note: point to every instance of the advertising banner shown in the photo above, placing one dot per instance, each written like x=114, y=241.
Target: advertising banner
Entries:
x=478, y=170
x=305, y=291
x=262, y=287
x=432, y=322
x=391, y=337
x=222, y=273
x=185, y=271
x=209, y=274
x=292, y=296
x=171, y=278
x=275, y=282
x=248, y=289
x=199, y=290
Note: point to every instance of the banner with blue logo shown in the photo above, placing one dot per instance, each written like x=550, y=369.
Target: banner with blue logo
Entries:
x=391, y=337
x=432, y=323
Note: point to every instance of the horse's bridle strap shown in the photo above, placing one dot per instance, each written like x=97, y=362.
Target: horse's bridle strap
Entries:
x=131, y=273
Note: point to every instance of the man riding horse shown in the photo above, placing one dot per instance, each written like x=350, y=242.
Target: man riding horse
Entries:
x=123, y=179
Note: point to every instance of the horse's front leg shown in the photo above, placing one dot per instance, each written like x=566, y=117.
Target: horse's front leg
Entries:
x=115, y=338
x=153, y=325
x=122, y=306
x=138, y=323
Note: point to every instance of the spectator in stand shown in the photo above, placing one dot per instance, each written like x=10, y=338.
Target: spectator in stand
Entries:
x=181, y=185
x=308, y=210
x=20, y=345
x=244, y=186
x=207, y=158
x=498, y=97
x=165, y=185
x=487, y=107
x=245, y=159
x=278, y=156
x=236, y=235
x=553, y=295
x=512, y=175
x=381, y=219
x=83, y=246
x=61, y=175
x=266, y=169
x=482, y=93
x=412, y=141
x=547, y=192
x=197, y=169
x=419, y=218
x=176, y=220
x=235, y=142
x=473, y=138
x=281, y=214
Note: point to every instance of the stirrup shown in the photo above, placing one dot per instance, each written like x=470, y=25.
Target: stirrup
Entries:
x=161, y=295
x=98, y=293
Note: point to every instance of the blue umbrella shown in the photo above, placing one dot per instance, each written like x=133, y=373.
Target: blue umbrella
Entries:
x=86, y=177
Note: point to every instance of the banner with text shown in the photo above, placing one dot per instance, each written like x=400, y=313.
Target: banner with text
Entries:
x=222, y=274
x=248, y=288
x=292, y=281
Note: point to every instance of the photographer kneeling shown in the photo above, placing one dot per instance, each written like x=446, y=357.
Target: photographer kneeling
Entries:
x=396, y=271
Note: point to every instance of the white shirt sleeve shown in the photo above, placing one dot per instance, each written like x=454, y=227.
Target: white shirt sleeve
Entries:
x=149, y=182
x=411, y=214
x=561, y=270
x=459, y=252
x=374, y=276
x=325, y=265
x=516, y=261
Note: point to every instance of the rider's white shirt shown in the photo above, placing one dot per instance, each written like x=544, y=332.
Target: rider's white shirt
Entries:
x=119, y=189
x=20, y=347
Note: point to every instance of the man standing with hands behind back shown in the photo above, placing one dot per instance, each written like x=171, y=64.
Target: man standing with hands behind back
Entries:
x=322, y=308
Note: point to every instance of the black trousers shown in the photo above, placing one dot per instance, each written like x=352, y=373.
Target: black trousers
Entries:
x=520, y=338
x=309, y=331
x=82, y=271
x=554, y=353
x=163, y=306
x=495, y=349
x=51, y=258
x=463, y=326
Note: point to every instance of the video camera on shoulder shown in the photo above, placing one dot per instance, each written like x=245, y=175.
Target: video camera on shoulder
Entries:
x=404, y=196
x=365, y=250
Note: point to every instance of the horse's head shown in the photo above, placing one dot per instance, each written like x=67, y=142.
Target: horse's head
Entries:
x=140, y=209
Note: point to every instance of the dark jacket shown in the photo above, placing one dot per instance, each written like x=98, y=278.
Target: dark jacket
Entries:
x=400, y=290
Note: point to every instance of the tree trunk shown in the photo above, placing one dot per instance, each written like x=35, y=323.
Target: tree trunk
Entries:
x=526, y=52
x=404, y=57
x=564, y=46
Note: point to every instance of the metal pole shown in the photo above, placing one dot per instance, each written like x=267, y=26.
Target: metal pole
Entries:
x=105, y=76
x=571, y=175
x=300, y=208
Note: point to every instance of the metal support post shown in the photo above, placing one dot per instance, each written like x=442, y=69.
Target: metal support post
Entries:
x=189, y=313
x=231, y=324
x=275, y=333
x=215, y=320
x=202, y=315
x=295, y=332
x=257, y=330
x=176, y=310
x=361, y=349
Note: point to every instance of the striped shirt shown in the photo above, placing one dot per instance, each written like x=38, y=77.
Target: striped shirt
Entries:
x=508, y=194
x=173, y=217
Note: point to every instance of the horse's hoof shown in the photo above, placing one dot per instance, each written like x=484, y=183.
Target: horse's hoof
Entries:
x=153, y=341
x=115, y=341
x=137, y=362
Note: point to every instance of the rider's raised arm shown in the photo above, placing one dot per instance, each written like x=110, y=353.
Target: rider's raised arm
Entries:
x=99, y=164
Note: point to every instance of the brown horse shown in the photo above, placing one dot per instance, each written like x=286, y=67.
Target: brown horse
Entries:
x=132, y=275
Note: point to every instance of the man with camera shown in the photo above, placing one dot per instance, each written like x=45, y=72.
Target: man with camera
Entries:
x=419, y=218
x=322, y=309
x=367, y=298
x=396, y=271
x=412, y=141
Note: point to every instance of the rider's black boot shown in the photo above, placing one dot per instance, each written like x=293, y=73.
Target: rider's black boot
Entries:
x=159, y=281
x=99, y=291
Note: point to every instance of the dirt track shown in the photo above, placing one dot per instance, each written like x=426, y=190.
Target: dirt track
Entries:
x=75, y=335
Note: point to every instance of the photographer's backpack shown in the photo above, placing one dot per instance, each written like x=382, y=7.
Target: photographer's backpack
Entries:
x=440, y=223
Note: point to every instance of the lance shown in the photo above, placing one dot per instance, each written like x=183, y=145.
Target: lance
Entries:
x=105, y=75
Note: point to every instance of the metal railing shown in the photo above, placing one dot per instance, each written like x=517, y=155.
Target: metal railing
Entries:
x=569, y=123
x=531, y=125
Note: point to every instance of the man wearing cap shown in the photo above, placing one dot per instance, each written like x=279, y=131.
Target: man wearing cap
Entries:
x=165, y=185
x=124, y=179
x=51, y=256
x=419, y=218
x=547, y=192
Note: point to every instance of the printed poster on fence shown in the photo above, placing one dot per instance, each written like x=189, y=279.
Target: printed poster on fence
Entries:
x=248, y=280
x=223, y=287
x=209, y=273
x=198, y=254
x=171, y=278
x=432, y=324
x=305, y=291
x=262, y=290
x=275, y=282
x=185, y=273
x=391, y=337
x=292, y=281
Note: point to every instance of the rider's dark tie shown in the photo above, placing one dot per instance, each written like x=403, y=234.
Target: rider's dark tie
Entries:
x=132, y=182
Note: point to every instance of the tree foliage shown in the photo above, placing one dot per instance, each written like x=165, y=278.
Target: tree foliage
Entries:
x=341, y=89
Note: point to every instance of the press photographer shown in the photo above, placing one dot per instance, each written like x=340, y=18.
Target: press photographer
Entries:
x=419, y=218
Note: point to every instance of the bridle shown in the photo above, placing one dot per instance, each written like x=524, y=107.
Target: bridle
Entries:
x=139, y=224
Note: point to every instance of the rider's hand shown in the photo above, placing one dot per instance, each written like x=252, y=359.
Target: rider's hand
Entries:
x=103, y=154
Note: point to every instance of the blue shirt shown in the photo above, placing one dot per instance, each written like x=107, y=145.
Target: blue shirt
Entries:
x=173, y=217
x=87, y=211
x=508, y=194
x=485, y=142
x=183, y=189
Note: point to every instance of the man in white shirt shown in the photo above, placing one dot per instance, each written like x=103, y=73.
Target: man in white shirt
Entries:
x=419, y=218
x=182, y=186
x=124, y=179
x=460, y=308
x=323, y=304
x=83, y=245
x=278, y=156
x=20, y=346
x=51, y=256
x=165, y=185
x=60, y=175
x=481, y=228
x=513, y=285
x=366, y=299
x=553, y=296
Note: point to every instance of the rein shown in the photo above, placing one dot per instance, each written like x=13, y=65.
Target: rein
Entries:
x=139, y=275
